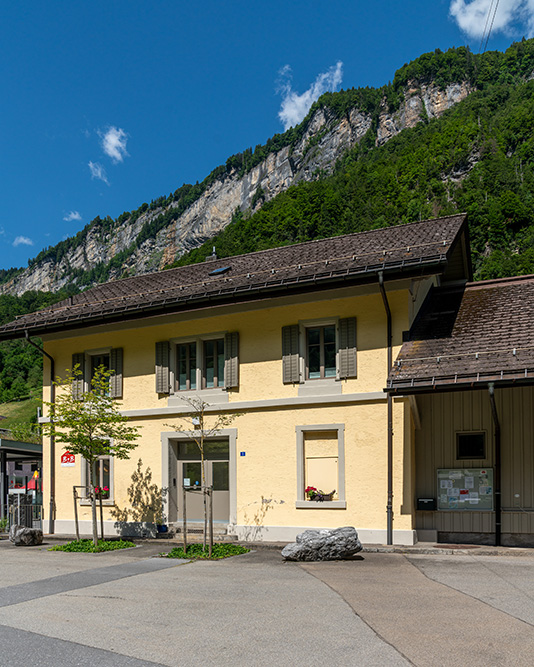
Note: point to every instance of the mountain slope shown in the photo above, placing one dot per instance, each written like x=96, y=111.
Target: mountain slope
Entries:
x=478, y=158
x=359, y=121
x=154, y=235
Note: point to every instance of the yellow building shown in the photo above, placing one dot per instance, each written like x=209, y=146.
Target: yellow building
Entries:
x=299, y=342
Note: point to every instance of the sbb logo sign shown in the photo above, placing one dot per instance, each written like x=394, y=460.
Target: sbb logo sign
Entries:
x=68, y=460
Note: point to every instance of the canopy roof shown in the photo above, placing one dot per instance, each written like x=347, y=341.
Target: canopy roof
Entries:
x=469, y=336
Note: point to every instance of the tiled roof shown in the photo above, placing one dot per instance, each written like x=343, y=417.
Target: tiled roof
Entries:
x=470, y=336
x=420, y=247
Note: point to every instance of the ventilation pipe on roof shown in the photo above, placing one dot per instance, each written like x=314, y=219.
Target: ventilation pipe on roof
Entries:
x=51, y=511
x=212, y=257
x=389, y=508
x=497, y=478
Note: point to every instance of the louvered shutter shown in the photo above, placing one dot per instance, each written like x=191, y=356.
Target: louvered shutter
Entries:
x=290, y=354
x=78, y=367
x=115, y=360
x=162, y=367
x=231, y=360
x=347, y=347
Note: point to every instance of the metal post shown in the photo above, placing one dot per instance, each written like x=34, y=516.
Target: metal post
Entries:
x=75, y=496
x=184, y=523
x=389, y=507
x=497, y=478
x=3, y=485
x=101, y=517
x=210, y=491
x=51, y=517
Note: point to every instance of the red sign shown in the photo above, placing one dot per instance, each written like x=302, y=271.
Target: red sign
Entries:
x=68, y=459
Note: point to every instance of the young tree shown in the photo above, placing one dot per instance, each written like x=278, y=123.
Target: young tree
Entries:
x=90, y=425
x=201, y=427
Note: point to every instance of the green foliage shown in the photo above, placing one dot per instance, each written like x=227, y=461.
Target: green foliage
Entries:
x=442, y=68
x=26, y=432
x=199, y=552
x=478, y=157
x=90, y=425
x=21, y=364
x=87, y=546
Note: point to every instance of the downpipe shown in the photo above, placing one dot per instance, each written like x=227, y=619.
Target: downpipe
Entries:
x=51, y=511
x=497, y=478
x=389, y=507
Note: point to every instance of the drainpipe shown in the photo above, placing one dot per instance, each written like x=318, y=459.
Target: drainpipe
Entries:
x=497, y=478
x=389, y=508
x=51, y=511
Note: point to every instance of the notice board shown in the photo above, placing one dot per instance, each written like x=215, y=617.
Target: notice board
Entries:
x=468, y=489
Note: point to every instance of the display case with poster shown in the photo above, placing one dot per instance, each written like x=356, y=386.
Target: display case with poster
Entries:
x=467, y=489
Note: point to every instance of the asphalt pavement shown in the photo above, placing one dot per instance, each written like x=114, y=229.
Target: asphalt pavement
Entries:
x=131, y=608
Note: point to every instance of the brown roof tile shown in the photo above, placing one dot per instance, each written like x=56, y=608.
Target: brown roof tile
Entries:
x=481, y=333
x=353, y=258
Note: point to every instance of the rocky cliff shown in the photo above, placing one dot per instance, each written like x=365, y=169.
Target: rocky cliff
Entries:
x=325, y=138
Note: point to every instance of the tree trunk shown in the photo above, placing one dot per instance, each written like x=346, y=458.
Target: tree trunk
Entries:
x=93, y=503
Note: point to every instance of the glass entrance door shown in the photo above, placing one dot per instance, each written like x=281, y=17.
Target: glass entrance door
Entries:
x=216, y=474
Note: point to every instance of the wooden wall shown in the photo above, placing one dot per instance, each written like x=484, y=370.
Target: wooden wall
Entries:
x=444, y=415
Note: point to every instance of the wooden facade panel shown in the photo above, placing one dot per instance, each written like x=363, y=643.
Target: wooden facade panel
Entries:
x=442, y=417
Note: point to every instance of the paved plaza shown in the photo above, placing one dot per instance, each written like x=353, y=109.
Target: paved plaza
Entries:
x=129, y=608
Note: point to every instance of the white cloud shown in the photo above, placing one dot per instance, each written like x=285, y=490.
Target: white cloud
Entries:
x=512, y=16
x=294, y=107
x=114, y=143
x=72, y=215
x=98, y=172
x=22, y=240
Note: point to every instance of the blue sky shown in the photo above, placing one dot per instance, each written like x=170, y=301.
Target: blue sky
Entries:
x=106, y=105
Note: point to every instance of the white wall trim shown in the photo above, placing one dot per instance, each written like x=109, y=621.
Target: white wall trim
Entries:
x=315, y=428
x=169, y=459
x=289, y=534
x=238, y=406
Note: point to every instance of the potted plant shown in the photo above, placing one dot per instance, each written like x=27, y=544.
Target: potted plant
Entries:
x=317, y=495
x=102, y=492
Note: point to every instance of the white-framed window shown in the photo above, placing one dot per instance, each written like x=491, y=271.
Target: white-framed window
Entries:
x=89, y=360
x=199, y=364
x=103, y=477
x=319, y=350
x=207, y=362
x=321, y=465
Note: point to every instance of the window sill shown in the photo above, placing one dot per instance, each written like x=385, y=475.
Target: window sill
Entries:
x=320, y=387
x=214, y=395
x=317, y=505
x=105, y=503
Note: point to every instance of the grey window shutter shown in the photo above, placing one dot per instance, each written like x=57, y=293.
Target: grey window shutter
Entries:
x=290, y=354
x=78, y=385
x=162, y=367
x=231, y=360
x=347, y=347
x=115, y=382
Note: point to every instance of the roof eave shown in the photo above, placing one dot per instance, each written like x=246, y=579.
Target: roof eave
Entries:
x=464, y=385
x=432, y=267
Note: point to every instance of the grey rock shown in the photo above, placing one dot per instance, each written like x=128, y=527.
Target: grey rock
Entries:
x=326, y=544
x=25, y=537
x=325, y=139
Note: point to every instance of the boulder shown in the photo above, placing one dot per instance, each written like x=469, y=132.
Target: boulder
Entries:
x=25, y=537
x=326, y=544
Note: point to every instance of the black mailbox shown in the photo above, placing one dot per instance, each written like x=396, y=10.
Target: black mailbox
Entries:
x=427, y=504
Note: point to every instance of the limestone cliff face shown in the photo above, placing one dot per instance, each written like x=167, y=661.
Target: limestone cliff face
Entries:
x=325, y=140
x=419, y=102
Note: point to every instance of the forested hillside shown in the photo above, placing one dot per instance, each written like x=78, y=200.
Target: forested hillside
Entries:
x=21, y=364
x=477, y=156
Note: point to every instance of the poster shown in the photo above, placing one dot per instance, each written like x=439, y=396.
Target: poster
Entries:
x=465, y=489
